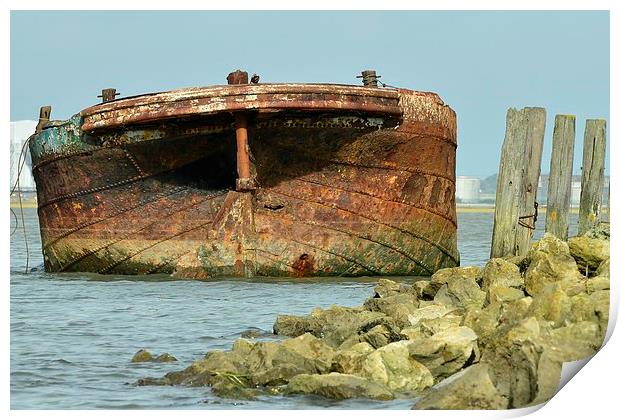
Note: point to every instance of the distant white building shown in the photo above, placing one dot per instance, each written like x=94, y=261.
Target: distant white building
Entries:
x=575, y=193
x=467, y=189
x=20, y=131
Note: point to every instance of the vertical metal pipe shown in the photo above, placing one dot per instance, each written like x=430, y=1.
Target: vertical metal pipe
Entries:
x=243, y=157
x=244, y=182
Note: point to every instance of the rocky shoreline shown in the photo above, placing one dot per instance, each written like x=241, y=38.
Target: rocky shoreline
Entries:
x=491, y=337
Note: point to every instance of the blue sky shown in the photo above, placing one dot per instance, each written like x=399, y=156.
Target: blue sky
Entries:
x=480, y=63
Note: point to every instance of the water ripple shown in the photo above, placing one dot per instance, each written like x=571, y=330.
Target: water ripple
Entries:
x=73, y=335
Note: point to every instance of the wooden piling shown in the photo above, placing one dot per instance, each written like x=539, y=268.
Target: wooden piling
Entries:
x=592, y=174
x=517, y=181
x=560, y=176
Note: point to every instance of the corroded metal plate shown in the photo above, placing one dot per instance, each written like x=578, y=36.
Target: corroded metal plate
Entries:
x=230, y=98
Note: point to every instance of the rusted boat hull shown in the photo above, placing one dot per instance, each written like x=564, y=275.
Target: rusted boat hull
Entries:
x=139, y=187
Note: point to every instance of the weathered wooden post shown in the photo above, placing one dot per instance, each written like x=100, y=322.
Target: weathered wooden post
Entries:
x=592, y=174
x=517, y=181
x=560, y=176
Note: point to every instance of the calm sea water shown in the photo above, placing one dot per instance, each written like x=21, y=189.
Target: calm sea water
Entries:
x=73, y=335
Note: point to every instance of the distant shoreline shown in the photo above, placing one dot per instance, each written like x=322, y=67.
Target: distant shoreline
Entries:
x=31, y=203
x=481, y=208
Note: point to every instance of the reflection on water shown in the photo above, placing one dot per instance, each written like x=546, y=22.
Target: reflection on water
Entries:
x=73, y=335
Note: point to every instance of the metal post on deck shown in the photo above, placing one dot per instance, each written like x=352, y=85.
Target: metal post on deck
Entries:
x=245, y=182
x=369, y=78
x=44, y=117
x=108, y=95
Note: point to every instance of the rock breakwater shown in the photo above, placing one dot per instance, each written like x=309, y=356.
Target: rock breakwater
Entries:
x=491, y=337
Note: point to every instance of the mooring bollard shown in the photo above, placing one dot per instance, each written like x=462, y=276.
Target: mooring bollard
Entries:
x=516, y=209
x=592, y=174
x=560, y=176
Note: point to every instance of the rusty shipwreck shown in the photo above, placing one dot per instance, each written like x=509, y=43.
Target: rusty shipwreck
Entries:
x=250, y=179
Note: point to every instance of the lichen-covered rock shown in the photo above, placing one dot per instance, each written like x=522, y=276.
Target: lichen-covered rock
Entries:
x=483, y=321
x=471, y=390
x=203, y=371
x=500, y=293
x=452, y=275
x=525, y=360
x=589, y=253
x=423, y=289
x=350, y=361
x=520, y=261
x=592, y=307
x=414, y=333
x=290, y=325
x=142, y=356
x=338, y=386
x=515, y=311
x=380, y=336
x=271, y=363
x=550, y=262
x=603, y=269
x=500, y=272
x=551, y=304
x=242, y=347
x=145, y=356
x=232, y=387
x=311, y=348
x=457, y=287
x=398, y=306
x=461, y=292
x=447, y=351
x=337, y=324
x=433, y=326
x=522, y=367
x=575, y=341
x=218, y=361
x=165, y=358
x=393, y=366
x=597, y=283
x=433, y=311
x=506, y=335
x=386, y=288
